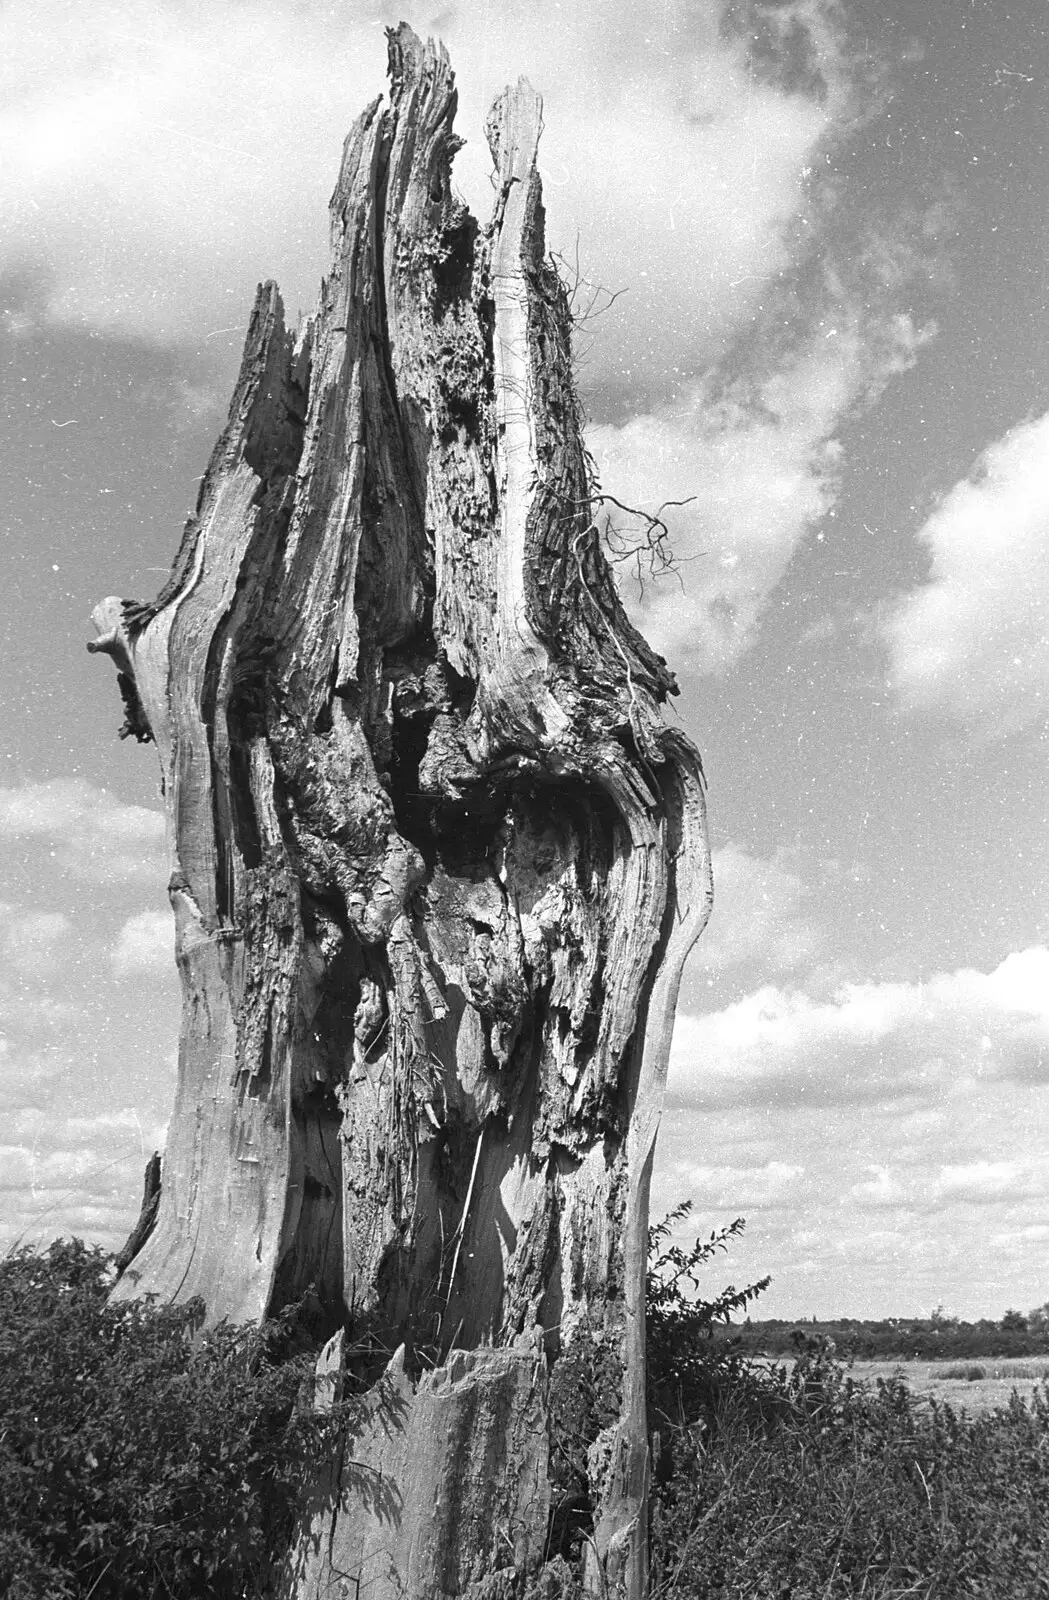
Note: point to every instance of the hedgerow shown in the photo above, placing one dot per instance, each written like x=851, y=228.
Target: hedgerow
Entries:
x=842, y=1491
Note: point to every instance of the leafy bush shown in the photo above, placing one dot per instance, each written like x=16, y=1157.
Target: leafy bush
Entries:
x=688, y=1371
x=585, y=1391
x=139, y=1455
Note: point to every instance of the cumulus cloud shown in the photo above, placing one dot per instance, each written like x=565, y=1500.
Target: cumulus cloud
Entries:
x=87, y=830
x=743, y=1189
x=883, y=1188
x=30, y=960
x=872, y=1042
x=897, y=1186
x=759, y=465
x=684, y=159
x=879, y=1214
x=145, y=944
x=763, y=920
x=157, y=170
x=983, y=1182
x=72, y=1174
x=870, y=1139
x=974, y=641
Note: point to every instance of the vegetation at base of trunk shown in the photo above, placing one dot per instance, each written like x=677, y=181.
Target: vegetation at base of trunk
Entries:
x=141, y=1456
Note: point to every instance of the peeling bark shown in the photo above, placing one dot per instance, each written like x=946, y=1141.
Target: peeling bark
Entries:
x=436, y=859
x=147, y=1216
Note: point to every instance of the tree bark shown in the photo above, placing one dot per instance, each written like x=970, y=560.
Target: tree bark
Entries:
x=436, y=859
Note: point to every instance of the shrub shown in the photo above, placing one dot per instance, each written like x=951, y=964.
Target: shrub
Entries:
x=140, y=1455
x=688, y=1370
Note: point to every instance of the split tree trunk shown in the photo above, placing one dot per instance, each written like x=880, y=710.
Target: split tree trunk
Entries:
x=436, y=864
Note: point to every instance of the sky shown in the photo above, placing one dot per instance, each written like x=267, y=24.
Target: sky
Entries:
x=810, y=243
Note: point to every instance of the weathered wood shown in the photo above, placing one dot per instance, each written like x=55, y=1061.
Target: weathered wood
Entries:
x=147, y=1216
x=442, y=1487
x=436, y=859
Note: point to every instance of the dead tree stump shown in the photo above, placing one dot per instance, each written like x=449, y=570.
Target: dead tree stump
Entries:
x=436, y=865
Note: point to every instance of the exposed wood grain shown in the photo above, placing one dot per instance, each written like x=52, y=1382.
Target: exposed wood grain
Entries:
x=436, y=859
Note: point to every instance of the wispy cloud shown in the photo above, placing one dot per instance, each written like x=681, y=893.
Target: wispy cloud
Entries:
x=86, y=830
x=146, y=943
x=758, y=456
x=974, y=641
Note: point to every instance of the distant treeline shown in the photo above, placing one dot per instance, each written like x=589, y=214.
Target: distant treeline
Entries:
x=933, y=1338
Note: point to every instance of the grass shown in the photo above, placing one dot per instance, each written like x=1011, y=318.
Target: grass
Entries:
x=807, y=1479
x=810, y=1485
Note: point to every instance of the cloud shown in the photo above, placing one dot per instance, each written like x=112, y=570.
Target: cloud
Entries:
x=759, y=464
x=156, y=169
x=974, y=641
x=884, y=1213
x=28, y=940
x=763, y=920
x=146, y=943
x=88, y=831
x=870, y=1140
x=30, y=1010
x=74, y=1174
x=748, y=1188
x=983, y=1182
x=897, y=1187
x=883, y=1188
x=86, y=1065
x=872, y=1043
x=685, y=159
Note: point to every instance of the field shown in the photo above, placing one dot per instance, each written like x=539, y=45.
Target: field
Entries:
x=975, y=1386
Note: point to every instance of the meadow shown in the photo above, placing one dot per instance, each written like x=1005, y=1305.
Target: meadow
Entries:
x=972, y=1386
x=975, y=1386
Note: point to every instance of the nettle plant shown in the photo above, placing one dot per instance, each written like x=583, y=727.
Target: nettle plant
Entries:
x=689, y=1369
